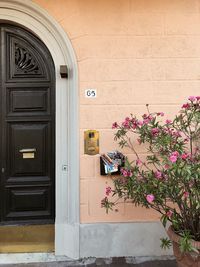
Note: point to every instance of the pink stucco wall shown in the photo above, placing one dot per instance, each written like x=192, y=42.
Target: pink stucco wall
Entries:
x=133, y=52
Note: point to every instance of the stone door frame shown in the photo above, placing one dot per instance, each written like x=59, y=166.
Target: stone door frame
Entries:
x=39, y=22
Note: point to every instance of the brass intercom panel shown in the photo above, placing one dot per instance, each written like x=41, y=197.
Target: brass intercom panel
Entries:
x=91, y=140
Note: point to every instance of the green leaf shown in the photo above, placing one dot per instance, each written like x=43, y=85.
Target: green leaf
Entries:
x=185, y=243
x=165, y=243
x=164, y=220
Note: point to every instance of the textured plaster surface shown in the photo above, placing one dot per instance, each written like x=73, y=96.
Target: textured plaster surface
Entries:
x=133, y=52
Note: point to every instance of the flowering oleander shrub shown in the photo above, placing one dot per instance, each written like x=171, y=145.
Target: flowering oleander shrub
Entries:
x=168, y=180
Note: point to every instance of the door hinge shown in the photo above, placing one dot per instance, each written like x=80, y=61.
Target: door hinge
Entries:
x=2, y=170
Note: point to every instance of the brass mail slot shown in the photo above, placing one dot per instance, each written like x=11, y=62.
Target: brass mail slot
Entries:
x=28, y=153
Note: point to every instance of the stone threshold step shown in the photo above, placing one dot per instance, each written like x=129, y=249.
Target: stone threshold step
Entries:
x=27, y=238
x=51, y=260
x=116, y=264
x=26, y=247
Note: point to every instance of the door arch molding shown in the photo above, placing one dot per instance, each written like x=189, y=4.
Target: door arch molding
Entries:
x=39, y=22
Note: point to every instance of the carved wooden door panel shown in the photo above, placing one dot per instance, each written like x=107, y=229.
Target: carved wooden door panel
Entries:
x=27, y=106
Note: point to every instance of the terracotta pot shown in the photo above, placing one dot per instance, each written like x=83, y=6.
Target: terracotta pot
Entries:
x=184, y=259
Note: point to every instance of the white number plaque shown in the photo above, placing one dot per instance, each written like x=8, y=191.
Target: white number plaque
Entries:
x=90, y=93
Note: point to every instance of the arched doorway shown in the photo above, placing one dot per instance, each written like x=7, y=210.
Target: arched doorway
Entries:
x=27, y=158
x=40, y=23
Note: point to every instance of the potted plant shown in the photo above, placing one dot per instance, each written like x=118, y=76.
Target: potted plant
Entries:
x=168, y=180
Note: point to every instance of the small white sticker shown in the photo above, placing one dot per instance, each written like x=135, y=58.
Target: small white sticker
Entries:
x=90, y=93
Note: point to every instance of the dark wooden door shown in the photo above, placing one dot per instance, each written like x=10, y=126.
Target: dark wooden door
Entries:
x=27, y=109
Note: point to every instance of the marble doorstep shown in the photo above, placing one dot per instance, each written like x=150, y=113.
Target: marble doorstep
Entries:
x=16, y=258
x=27, y=239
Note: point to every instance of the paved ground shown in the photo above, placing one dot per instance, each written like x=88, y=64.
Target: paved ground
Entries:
x=115, y=263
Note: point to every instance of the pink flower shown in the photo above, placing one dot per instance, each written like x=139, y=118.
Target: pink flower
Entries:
x=192, y=98
x=175, y=153
x=169, y=213
x=186, y=194
x=167, y=130
x=146, y=121
x=150, y=117
x=160, y=114
x=144, y=116
x=186, y=106
x=108, y=190
x=140, y=123
x=147, y=118
x=134, y=123
x=158, y=174
x=177, y=134
x=168, y=121
x=115, y=125
x=138, y=162
x=130, y=173
x=126, y=124
x=127, y=119
x=150, y=198
x=126, y=173
x=173, y=158
x=197, y=98
x=166, y=166
x=155, y=131
x=185, y=156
